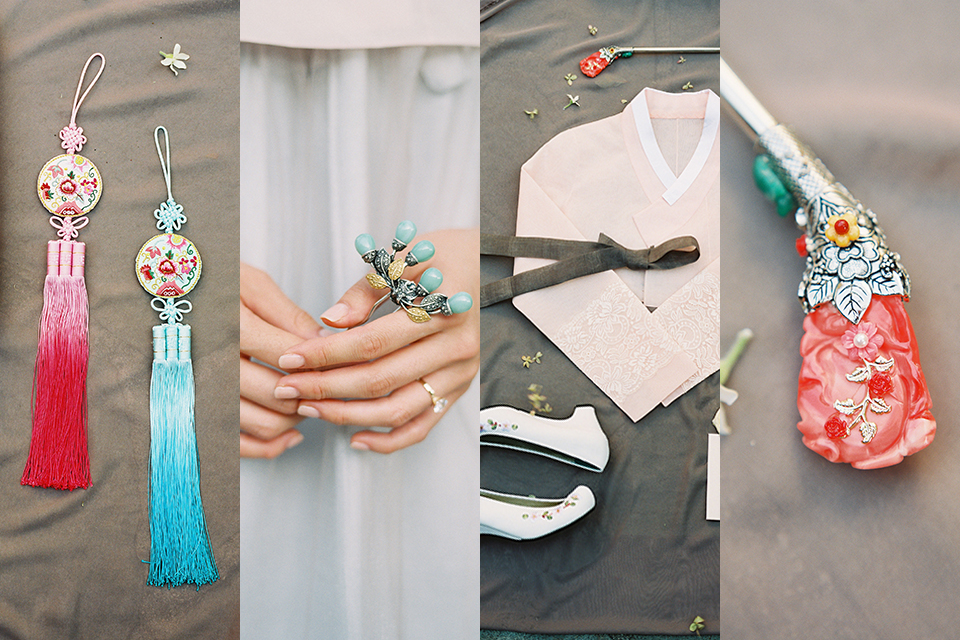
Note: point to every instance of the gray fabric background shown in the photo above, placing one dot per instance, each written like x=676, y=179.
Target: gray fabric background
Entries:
x=812, y=549
x=70, y=562
x=645, y=560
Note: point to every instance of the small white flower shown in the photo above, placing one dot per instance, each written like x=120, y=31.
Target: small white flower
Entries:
x=174, y=60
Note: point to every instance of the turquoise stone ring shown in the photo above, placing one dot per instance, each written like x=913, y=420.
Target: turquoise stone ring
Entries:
x=416, y=298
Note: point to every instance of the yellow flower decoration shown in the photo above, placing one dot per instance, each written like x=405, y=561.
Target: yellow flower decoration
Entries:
x=843, y=230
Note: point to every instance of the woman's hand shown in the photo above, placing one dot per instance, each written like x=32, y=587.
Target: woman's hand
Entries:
x=386, y=357
x=270, y=323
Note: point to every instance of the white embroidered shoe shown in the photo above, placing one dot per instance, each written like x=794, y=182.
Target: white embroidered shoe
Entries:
x=526, y=518
x=578, y=440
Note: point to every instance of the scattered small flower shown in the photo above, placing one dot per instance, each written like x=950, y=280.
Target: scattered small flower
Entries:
x=687, y=86
x=623, y=101
x=681, y=60
x=592, y=29
x=570, y=78
x=538, y=400
x=174, y=60
x=528, y=360
x=697, y=625
x=574, y=100
x=533, y=114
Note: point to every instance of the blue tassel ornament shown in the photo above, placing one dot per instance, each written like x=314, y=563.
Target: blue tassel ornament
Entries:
x=168, y=267
x=180, y=549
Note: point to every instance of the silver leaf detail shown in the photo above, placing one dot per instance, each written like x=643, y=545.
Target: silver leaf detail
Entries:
x=846, y=407
x=852, y=299
x=883, y=364
x=877, y=405
x=889, y=284
x=859, y=374
x=820, y=290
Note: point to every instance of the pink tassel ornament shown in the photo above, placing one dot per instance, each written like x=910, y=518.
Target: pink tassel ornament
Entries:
x=69, y=187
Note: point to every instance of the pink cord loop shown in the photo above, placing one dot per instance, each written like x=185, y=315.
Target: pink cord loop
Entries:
x=72, y=135
x=68, y=228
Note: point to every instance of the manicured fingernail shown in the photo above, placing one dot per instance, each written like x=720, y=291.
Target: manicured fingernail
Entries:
x=324, y=332
x=285, y=393
x=335, y=313
x=359, y=446
x=307, y=411
x=291, y=361
x=294, y=441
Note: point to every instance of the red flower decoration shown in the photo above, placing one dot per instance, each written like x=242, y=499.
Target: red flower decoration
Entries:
x=880, y=384
x=45, y=186
x=145, y=270
x=835, y=427
x=69, y=187
x=166, y=267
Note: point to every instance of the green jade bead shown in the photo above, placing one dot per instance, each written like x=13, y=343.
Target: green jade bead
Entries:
x=423, y=251
x=406, y=231
x=786, y=205
x=364, y=243
x=431, y=279
x=460, y=302
x=771, y=185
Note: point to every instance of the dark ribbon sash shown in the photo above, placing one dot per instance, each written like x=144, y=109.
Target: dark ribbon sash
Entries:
x=575, y=259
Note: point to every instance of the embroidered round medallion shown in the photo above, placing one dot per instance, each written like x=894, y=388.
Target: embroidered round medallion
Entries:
x=168, y=266
x=69, y=185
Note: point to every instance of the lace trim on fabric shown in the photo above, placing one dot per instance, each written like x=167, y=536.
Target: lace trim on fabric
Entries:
x=693, y=317
x=616, y=342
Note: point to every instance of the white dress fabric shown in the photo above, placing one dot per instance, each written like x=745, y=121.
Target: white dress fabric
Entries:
x=642, y=177
x=359, y=24
x=338, y=543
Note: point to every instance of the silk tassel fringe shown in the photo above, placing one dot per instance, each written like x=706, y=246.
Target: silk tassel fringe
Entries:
x=180, y=550
x=58, y=455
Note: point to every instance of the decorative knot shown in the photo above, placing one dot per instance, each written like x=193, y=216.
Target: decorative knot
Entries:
x=171, y=309
x=170, y=216
x=673, y=253
x=73, y=138
x=67, y=228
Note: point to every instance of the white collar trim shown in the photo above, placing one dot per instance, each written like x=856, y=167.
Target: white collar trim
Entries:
x=676, y=186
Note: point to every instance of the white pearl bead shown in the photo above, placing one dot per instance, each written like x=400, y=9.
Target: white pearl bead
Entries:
x=861, y=340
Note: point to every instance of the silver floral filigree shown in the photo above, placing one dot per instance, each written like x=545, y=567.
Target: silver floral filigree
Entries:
x=847, y=276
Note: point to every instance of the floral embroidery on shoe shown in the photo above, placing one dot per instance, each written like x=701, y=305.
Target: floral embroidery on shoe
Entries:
x=549, y=513
x=492, y=425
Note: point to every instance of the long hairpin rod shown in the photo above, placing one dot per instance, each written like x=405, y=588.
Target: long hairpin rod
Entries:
x=743, y=101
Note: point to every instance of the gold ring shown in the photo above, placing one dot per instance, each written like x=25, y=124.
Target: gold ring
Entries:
x=439, y=404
